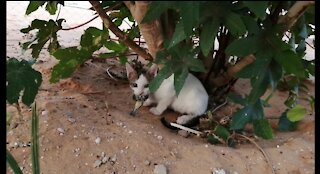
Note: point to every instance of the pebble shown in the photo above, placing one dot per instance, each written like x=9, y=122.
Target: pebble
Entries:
x=160, y=169
x=218, y=171
x=60, y=130
x=183, y=133
x=72, y=120
x=130, y=132
x=114, y=158
x=97, y=163
x=146, y=162
x=98, y=140
x=44, y=113
x=159, y=137
x=69, y=114
x=105, y=159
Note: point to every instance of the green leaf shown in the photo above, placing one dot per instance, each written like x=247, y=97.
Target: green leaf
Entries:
x=123, y=60
x=93, y=39
x=222, y=132
x=13, y=163
x=242, y=47
x=51, y=7
x=262, y=128
x=35, y=141
x=291, y=63
x=21, y=77
x=297, y=113
x=107, y=55
x=285, y=124
x=47, y=32
x=164, y=73
x=240, y=118
x=156, y=8
x=274, y=73
x=70, y=59
x=251, y=25
x=179, y=79
x=117, y=47
x=212, y=140
x=195, y=65
x=33, y=6
x=235, y=24
x=237, y=99
x=258, y=8
x=208, y=34
x=189, y=11
x=178, y=35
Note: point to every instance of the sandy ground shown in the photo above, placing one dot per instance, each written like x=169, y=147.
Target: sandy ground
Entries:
x=75, y=113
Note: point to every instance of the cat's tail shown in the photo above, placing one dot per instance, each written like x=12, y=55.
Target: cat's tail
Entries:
x=191, y=123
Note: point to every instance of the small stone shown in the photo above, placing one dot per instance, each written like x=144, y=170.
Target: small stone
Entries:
x=105, y=159
x=130, y=132
x=218, y=171
x=72, y=120
x=103, y=154
x=98, y=140
x=160, y=169
x=183, y=133
x=114, y=158
x=146, y=162
x=44, y=113
x=278, y=146
x=97, y=163
x=60, y=130
x=69, y=114
x=149, y=132
x=159, y=137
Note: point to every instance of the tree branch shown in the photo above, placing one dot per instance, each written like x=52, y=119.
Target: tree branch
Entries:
x=289, y=19
x=122, y=36
x=294, y=13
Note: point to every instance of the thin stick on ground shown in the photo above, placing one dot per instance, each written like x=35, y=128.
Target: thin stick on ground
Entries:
x=198, y=133
x=260, y=148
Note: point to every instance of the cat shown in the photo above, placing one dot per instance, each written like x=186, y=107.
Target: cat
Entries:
x=192, y=100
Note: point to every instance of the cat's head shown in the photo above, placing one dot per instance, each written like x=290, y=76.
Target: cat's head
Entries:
x=139, y=80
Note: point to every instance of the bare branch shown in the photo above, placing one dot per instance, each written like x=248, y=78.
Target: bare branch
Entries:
x=122, y=36
x=232, y=71
x=294, y=13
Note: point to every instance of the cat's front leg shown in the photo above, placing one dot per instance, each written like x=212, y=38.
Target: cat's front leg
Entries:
x=160, y=108
x=148, y=102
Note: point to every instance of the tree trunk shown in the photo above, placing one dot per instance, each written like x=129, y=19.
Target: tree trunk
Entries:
x=151, y=31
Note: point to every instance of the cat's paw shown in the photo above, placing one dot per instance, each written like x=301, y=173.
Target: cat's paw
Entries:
x=154, y=111
x=184, y=119
x=148, y=102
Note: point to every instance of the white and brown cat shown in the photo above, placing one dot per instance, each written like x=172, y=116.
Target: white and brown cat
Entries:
x=191, y=102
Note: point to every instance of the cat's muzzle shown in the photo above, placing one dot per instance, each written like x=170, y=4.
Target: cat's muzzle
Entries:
x=139, y=102
x=140, y=97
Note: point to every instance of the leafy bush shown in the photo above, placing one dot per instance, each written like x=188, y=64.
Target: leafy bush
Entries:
x=262, y=41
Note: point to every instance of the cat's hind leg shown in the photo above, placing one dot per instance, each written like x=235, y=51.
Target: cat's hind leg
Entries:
x=185, y=119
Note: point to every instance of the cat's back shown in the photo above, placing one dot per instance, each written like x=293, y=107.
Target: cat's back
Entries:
x=193, y=97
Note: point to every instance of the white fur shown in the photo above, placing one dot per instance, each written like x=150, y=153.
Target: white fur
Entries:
x=192, y=100
x=140, y=89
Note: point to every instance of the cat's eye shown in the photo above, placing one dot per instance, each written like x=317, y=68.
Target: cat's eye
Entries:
x=134, y=85
x=146, y=85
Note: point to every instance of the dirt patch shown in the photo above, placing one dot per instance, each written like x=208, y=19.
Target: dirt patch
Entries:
x=86, y=118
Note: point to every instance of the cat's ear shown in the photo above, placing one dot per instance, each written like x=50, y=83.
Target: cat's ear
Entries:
x=131, y=73
x=153, y=70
